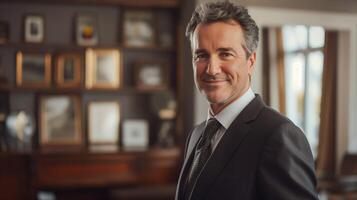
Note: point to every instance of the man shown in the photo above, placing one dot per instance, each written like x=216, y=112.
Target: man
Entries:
x=245, y=150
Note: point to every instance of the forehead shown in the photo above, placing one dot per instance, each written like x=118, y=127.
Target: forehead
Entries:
x=218, y=34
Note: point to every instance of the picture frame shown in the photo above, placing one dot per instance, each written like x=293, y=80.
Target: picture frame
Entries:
x=151, y=75
x=34, y=28
x=68, y=70
x=138, y=28
x=60, y=122
x=135, y=134
x=103, y=122
x=103, y=69
x=87, y=29
x=4, y=31
x=33, y=70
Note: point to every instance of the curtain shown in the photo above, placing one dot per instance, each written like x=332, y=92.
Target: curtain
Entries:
x=281, y=69
x=326, y=159
x=273, y=68
x=266, y=65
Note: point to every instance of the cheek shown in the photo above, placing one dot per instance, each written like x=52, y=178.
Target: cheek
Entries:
x=198, y=69
x=232, y=71
x=237, y=70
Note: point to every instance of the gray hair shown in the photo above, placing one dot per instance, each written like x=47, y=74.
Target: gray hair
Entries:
x=225, y=11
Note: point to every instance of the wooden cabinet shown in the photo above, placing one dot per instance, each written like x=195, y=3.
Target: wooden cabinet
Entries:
x=14, y=176
x=87, y=175
x=108, y=169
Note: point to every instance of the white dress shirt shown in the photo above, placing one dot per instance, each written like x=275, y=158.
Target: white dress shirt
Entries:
x=228, y=114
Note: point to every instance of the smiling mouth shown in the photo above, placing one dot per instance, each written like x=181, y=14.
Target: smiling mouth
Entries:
x=215, y=81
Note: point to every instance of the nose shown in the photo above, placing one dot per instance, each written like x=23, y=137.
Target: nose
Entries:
x=214, y=66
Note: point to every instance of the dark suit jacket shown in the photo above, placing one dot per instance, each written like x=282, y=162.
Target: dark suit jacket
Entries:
x=262, y=156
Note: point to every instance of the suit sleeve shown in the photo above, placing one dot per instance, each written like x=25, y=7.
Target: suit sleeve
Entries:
x=286, y=171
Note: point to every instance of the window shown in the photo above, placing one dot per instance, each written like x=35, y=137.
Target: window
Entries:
x=303, y=50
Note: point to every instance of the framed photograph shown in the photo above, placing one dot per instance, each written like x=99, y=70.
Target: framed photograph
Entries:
x=86, y=29
x=139, y=29
x=60, y=120
x=68, y=70
x=103, y=122
x=151, y=75
x=135, y=133
x=103, y=69
x=4, y=31
x=34, y=26
x=33, y=70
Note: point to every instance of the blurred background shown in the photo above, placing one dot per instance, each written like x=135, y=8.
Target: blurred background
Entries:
x=97, y=97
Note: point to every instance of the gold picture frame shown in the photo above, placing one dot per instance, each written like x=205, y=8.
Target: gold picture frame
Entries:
x=33, y=70
x=103, y=69
x=103, y=122
x=60, y=121
x=68, y=70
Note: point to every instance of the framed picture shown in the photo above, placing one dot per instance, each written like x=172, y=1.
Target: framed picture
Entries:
x=4, y=32
x=68, y=70
x=60, y=120
x=103, y=69
x=103, y=122
x=135, y=133
x=151, y=75
x=139, y=30
x=86, y=29
x=33, y=70
x=34, y=28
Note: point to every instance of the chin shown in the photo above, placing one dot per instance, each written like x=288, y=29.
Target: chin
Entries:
x=212, y=99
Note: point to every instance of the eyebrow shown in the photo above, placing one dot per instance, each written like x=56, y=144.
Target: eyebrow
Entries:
x=227, y=49
x=197, y=51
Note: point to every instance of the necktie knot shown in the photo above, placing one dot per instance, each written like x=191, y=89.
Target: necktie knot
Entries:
x=211, y=128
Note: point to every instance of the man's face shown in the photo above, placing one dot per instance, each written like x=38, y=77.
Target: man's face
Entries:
x=220, y=64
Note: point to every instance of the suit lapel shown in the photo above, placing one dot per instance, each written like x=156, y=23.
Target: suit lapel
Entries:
x=226, y=147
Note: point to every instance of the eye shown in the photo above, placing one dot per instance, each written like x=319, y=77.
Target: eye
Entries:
x=225, y=55
x=201, y=56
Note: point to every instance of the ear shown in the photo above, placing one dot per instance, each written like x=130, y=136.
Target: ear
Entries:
x=251, y=62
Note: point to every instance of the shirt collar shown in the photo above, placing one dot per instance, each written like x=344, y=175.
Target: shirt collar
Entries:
x=229, y=113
